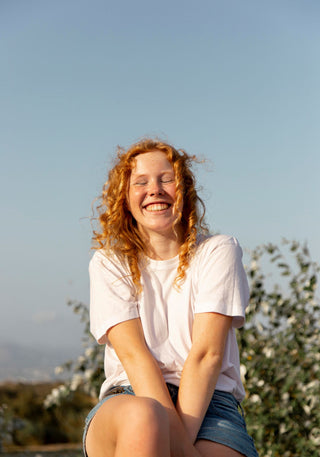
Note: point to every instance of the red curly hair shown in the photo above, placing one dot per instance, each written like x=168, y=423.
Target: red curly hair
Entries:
x=118, y=229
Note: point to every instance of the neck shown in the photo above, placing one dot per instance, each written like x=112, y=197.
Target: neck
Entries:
x=162, y=247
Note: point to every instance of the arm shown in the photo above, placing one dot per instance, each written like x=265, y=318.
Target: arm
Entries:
x=201, y=369
x=128, y=341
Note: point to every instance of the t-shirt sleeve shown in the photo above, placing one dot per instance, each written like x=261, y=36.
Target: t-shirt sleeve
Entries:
x=112, y=297
x=222, y=281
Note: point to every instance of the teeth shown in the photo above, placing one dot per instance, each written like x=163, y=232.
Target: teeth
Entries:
x=157, y=207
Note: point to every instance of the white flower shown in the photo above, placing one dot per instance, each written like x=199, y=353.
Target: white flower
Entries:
x=265, y=307
x=307, y=409
x=260, y=327
x=268, y=352
x=63, y=390
x=312, y=400
x=88, y=374
x=292, y=320
x=59, y=370
x=89, y=352
x=313, y=384
x=316, y=440
x=76, y=381
x=254, y=265
x=315, y=436
x=255, y=398
x=283, y=428
x=285, y=396
x=56, y=395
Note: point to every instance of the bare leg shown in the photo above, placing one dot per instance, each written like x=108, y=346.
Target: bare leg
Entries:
x=128, y=426
x=211, y=449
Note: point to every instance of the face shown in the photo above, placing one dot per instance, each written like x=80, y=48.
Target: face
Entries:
x=152, y=193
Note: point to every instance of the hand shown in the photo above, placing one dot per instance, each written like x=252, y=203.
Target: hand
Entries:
x=180, y=443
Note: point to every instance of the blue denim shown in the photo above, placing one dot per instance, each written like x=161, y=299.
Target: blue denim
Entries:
x=223, y=423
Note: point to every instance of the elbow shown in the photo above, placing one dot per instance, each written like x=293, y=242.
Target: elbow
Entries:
x=209, y=360
x=213, y=361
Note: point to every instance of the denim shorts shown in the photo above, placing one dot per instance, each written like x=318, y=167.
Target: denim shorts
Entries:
x=223, y=423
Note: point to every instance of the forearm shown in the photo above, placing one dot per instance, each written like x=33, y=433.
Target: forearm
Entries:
x=146, y=378
x=147, y=381
x=199, y=377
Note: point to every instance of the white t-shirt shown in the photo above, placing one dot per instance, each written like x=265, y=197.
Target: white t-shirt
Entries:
x=215, y=282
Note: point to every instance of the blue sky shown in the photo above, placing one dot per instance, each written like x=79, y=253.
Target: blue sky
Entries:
x=236, y=82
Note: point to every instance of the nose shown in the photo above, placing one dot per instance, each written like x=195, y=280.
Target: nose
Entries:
x=155, y=188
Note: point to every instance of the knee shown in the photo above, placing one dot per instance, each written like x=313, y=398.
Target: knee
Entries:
x=147, y=415
x=129, y=426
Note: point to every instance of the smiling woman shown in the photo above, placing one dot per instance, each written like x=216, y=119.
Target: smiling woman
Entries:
x=149, y=167
x=165, y=299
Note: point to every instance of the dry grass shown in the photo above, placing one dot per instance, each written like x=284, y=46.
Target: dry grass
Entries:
x=51, y=450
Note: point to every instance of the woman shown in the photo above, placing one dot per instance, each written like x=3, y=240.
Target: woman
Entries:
x=165, y=299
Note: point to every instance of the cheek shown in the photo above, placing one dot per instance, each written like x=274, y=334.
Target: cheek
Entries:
x=133, y=198
x=173, y=192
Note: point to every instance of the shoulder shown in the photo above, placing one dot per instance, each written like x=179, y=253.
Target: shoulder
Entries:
x=99, y=259
x=219, y=279
x=207, y=245
x=108, y=262
x=217, y=251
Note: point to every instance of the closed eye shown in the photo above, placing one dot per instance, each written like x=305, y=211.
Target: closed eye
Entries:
x=167, y=180
x=140, y=183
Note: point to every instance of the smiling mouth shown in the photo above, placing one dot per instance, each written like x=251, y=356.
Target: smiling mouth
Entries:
x=154, y=207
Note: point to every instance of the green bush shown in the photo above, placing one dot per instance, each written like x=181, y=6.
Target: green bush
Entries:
x=279, y=349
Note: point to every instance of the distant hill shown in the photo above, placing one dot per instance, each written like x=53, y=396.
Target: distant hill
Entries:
x=32, y=363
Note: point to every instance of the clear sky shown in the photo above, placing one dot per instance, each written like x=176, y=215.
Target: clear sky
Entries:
x=234, y=81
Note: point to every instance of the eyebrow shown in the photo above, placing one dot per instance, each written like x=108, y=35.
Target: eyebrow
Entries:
x=143, y=175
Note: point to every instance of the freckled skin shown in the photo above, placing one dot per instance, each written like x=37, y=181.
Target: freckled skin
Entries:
x=152, y=193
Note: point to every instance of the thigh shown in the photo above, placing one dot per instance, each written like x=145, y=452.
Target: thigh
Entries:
x=210, y=449
x=125, y=421
x=102, y=431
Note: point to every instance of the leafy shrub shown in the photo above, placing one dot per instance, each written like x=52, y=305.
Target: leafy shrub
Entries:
x=279, y=349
